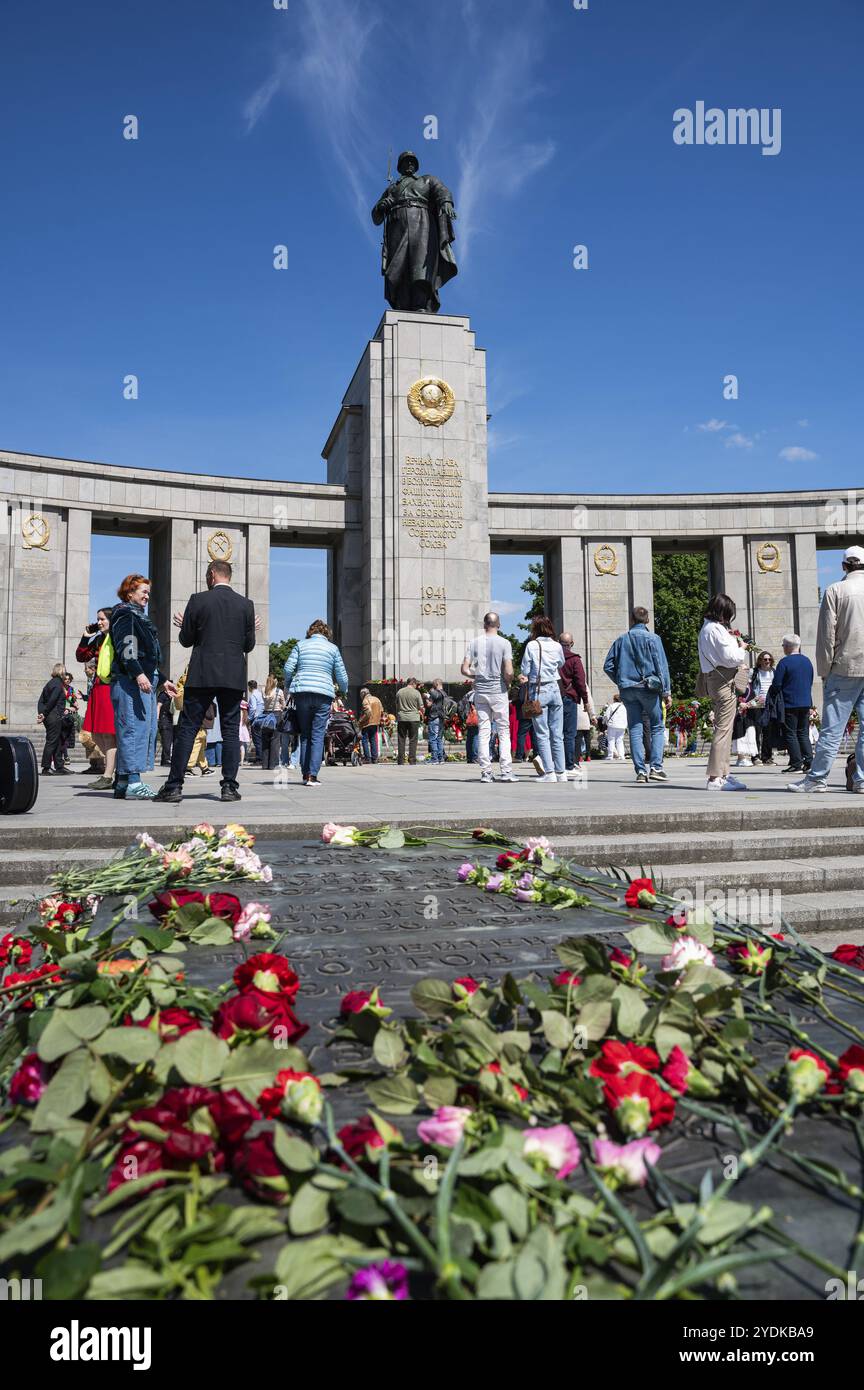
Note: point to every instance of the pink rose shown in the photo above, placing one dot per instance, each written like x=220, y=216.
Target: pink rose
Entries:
x=687, y=948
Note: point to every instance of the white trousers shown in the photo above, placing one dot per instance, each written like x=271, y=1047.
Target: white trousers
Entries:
x=615, y=743
x=491, y=707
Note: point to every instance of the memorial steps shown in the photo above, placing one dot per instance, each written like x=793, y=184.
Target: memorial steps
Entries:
x=809, y=851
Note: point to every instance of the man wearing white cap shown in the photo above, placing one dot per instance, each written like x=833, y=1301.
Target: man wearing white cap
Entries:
x=840, y=663
x=793, y=680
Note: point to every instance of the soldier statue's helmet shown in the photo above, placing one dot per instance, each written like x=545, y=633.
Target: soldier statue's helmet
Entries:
x=407, y=157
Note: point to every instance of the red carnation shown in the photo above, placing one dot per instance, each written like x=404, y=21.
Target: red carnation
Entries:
x=268, y=973
x=640, y=893
x=638, y=1103
x=26, y=1003
x=677, y=1070
x=622, y=1059
x=29, y=1081
x=850, y=1068
x=467, y=984
x=15, y=950
x=507, y=858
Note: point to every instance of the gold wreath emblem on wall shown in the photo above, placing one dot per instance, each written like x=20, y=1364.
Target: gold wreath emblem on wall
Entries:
x=606, y=560
x=431, y=401
x=219, y=546
x=35, y=532
x=768, y=557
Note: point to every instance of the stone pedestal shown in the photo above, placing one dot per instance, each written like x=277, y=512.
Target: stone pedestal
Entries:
x=423, y=560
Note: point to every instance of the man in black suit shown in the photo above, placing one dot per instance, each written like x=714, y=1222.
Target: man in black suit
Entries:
x=220, y=627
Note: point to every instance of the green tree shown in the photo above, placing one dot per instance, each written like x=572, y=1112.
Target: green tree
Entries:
x=680, y=597
x=534, y=585
x=279, y=654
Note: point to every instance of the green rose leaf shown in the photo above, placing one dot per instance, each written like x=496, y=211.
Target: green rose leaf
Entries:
x=391, y=839
x=595, y=1018
x=557, y=1030
x=293, y=1153
x=156, y=937
x=212, y=932
x=440, y=1090
x=653, y=940
x=65, y=1093
x=57, y=1038
x=359, y=1208
x=723, y=1219
x=433, y=997
x=28, y=1235
x=667, y=1036
x=133, y=1044
x=200, y=1057
x=513, y=1206
x=249, y=1069
x=305, y=1269
x=309, y=1210
x=388, y=1048
x=87, y=1022
x=630, y=1010
x=395, y=1095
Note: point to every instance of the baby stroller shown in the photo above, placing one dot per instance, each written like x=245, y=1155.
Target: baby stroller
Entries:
x=342, y=740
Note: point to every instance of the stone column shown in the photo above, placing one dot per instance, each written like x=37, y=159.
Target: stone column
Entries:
x=183, y=579
x=345, y=606
x=608, y=567
x=732, y=577
x=565, y=589
x=641, y=574
x=771, y=588
x=258, y=589
x=425, y=507
x=805, y=579
x=37, y=607
x=77, y=614
x=8, y=512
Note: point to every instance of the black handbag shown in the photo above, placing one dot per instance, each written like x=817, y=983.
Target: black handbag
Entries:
x=287, y=721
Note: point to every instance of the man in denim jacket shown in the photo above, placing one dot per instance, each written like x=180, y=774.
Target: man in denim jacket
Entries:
x=637, y=664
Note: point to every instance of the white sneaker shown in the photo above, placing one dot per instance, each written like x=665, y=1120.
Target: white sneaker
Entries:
x=485, y=776
x=733, y=785
x=576, y=774
x=562, y=777
x=547, y=777
x=508, y=777
x=806, y=784
x=744, y=762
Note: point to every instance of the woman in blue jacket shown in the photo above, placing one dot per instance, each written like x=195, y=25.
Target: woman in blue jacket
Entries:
x=311, y=671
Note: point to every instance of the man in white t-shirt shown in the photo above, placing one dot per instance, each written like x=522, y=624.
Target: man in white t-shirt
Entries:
x=489, y=663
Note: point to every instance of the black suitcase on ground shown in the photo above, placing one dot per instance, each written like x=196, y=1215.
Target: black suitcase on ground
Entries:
x=19, y=775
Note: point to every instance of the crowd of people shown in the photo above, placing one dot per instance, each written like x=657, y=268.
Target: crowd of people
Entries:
x=214, y=718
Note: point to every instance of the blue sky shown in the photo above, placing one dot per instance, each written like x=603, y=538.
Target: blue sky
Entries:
x=261, y=126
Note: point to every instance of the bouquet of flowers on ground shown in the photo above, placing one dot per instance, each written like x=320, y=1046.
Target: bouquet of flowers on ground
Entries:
x=204, y=856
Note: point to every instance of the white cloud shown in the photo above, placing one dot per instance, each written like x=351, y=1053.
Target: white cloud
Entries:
x=803, y=424
x=739, y=441
x=795, y=454
x=713, y=426
x=503, y=609
x=496, y=442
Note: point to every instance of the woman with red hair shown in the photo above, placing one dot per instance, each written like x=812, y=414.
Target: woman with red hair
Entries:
x=135, y=680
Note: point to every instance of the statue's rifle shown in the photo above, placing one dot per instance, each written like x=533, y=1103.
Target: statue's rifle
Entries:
x=384, y=233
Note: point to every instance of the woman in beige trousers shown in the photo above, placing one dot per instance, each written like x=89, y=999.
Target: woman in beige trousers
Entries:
x=720, y=655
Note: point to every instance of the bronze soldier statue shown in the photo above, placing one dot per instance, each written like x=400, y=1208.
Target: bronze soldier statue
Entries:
x=417, y=260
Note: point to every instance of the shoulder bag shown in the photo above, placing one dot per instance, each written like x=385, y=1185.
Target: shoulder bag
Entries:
x=652, y=683
x=532, y=708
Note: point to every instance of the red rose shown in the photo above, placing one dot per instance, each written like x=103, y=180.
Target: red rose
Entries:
x=257, y=1013
x=638, y=1102
x=233, y=1115
x=565, y=978
x=171, y=1023
x=495, y=1069
x=850, y=1068
x=359, y=1138
x=355, y=1001
x=136, y=1160
x=224, y=905
x=849, y=954
x=269, y=974
x=163, y=903
x=622, y=1059
x=191, y=1138
x=258, y=1169
x=635, y=888
x=617, y=957
x=29, y=1081
x=15, y=950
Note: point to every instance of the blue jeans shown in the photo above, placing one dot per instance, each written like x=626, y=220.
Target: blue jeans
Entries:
x=471, y=734
x=213, y=754
x=549, y=728
x=571, y=714
x=313, y=712
x=639, y=702
x=435, y=735
x=841, y=694
x=135, y=717
x=370, y=743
